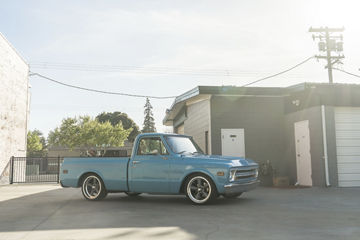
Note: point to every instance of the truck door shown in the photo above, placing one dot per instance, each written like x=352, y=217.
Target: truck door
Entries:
x=149, y=167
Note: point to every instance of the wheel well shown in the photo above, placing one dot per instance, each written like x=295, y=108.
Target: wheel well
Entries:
x=81, y=179
x=190, y=175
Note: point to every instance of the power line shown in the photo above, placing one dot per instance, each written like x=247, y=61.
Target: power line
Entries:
x=100, y=91
x=277, y=74
x=167, y=97
x=352, y=74
x=158, y=70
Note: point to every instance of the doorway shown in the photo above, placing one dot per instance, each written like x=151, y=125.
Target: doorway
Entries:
x=303, y=156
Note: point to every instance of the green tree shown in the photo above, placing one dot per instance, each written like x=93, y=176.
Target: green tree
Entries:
x=86, y=133
x=41, y=136
x=118, y=117
x=149, y=121
x=35, y=147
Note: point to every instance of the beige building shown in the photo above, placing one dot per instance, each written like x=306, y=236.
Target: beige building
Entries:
x=14, y=106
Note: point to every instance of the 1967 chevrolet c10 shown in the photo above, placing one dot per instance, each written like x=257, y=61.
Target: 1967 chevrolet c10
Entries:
x=162, y=164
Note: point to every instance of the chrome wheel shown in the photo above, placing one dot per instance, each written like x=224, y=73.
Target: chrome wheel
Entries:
x=199, y=189
x=92, y=187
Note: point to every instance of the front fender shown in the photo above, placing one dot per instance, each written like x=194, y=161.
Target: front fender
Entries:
x=217, y=180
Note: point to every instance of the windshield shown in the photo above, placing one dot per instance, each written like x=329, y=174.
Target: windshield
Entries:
x=183, y=145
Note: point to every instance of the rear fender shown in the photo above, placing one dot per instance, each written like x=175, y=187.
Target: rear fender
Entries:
x=82, y=175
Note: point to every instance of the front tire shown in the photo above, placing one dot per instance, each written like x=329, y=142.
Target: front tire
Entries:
x=200, y=189
x=93, y=188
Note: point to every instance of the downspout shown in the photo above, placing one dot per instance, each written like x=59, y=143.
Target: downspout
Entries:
x=323, y=122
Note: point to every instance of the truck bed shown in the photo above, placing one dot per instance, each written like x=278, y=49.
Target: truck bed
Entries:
x=113, y=171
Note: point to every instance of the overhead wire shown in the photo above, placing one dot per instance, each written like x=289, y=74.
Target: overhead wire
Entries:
x=166, y=97
x=158, y=70
x=349, y=73
x=277, y=74
x=100, y=91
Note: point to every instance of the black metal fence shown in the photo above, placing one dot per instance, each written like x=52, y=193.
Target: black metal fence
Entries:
x=34, y=169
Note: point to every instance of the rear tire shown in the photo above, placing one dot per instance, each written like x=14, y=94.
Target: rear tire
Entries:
x=93, y=188
x=232, y=195
x=200, y=189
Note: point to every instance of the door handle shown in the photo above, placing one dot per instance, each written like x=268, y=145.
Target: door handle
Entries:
x=165, y=158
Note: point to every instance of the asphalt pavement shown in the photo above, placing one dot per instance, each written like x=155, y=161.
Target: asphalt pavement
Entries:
x=50, y=212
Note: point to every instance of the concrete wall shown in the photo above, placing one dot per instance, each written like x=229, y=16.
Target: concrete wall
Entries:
x=262, y=119
x=13, y=105
x=198, y=122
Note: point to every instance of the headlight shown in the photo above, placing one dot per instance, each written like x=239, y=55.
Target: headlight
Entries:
x=256, y=173
x=232, y=175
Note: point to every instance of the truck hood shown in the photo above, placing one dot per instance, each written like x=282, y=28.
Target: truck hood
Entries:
x=233, y=161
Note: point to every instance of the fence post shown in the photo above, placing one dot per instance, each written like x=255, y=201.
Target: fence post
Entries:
x=58, y=165
x=12, y=170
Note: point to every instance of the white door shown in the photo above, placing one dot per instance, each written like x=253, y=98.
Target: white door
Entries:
x=303, y=156
x=233, y=142
x=347, y=127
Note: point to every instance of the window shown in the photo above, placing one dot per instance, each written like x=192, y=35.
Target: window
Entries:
x=151, y=146
x=182, y=145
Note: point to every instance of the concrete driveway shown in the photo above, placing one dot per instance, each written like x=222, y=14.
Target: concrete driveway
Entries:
x=49, y=212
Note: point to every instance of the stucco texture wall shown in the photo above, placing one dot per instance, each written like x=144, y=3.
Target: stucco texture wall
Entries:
x=262, y=120
x=13, y=104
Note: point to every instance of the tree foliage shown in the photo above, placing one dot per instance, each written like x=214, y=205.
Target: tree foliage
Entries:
x=149, y=121
x=35, y=144
x=86, y=133
x=118, y=117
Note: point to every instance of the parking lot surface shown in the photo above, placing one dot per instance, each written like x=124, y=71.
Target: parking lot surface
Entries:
x=49, y=212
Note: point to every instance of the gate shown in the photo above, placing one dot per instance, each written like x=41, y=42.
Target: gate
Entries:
x=34, y=169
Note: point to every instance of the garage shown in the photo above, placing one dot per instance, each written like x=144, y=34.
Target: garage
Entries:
x=347, y=128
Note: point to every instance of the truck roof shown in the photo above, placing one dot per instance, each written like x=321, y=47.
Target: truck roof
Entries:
x=162, y=134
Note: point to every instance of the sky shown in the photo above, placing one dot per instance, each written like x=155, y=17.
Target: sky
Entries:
x=165, y=48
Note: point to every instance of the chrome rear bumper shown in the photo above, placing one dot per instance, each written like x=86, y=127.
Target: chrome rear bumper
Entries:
x=241, y=187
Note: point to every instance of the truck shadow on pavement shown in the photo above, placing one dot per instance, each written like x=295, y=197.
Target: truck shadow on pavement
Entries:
x=171, y=200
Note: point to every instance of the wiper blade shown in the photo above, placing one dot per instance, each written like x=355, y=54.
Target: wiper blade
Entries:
x=197, y=152
x=181, y=152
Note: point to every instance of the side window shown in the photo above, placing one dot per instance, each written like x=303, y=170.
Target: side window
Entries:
x=151, y=146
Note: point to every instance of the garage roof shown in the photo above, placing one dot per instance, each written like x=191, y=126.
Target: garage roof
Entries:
x=199, y=91
x=180, y=101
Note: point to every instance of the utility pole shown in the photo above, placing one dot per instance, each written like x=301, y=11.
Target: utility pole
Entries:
x=329, y=43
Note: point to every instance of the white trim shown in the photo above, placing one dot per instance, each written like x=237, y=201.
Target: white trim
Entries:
x=260, y=96
x=209, y=136
x=326, y=163
x=197, y=99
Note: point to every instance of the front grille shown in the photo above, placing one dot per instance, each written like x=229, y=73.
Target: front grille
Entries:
x=245, y=173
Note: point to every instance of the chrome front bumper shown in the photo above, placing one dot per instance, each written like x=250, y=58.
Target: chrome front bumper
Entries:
x=240, y=187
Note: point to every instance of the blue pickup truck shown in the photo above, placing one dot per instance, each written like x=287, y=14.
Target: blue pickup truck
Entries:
x=162, y=164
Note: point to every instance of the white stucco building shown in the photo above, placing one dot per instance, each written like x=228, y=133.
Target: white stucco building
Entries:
x=14, y=106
